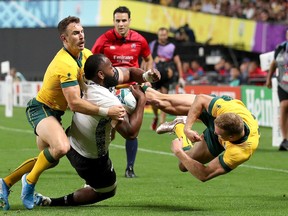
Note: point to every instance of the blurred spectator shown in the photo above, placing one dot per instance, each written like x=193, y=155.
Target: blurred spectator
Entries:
x=223, y=68
x=264, y=16
x=166, y=2
x=258, y=10
x=184, y=34
x=255, y=75
x=249, y=10
x=17, y=76
x=184, y=4
x=210, y=6
x=196, y=6
x=235, y=78
x=244, y=70
x=187, y=71
x=195, y=73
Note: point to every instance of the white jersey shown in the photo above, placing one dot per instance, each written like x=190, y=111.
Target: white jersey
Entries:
x=90, y=135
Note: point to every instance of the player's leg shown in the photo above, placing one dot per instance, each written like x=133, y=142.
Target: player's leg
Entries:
x=200, y=152
x=164, y=90
x=174, y=104
x=155, y=86
x=50, y=133
x=155, y=119
x=131, y=147
x=283, y=120
x=284, y=124
x=100, y=179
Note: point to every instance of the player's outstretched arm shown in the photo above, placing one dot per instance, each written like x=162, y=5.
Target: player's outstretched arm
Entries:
x=130, y=126
x=138, y=75
x=197, y=169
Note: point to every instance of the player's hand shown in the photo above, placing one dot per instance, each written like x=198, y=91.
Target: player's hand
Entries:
x=177, y=145
x=117, y=112
x=269, y=83
x=137, y=92
x=192, y=135
x=153, y=75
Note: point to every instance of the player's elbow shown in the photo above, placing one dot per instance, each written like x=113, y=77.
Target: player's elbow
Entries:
x=74, y=105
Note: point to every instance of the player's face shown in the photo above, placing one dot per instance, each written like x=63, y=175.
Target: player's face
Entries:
x=162, y=36
x=74, y=39
x=121, y=23
x=108, y=71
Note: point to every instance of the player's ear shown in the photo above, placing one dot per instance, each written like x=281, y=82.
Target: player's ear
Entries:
x=62, y=37
x=100, y=74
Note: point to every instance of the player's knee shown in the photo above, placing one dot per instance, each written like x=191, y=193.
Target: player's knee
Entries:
x=108, y=195
x=60, y=151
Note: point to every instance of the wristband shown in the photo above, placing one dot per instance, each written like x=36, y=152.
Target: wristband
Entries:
x=146, y=77
x=103, y=111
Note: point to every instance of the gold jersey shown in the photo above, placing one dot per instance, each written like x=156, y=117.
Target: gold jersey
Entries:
x=63, y=71
x=236, y=153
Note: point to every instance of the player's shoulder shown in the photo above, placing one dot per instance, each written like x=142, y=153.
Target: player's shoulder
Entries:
x=87, y=52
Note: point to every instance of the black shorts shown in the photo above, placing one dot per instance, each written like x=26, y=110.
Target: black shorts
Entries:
x=98, y=173
x=283, y=95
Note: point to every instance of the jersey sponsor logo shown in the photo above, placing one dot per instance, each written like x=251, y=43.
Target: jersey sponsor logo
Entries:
x=123, y=58
x=133, y=46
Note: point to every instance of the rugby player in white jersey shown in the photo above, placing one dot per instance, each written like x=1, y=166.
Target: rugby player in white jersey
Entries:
x=90, y=135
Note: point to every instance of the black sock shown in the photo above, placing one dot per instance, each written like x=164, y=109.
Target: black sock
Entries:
x=67, y=200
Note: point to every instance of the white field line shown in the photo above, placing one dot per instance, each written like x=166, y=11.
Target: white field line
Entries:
x=152, y=151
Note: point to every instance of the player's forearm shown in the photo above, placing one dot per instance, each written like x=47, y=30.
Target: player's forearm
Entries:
x=83, y=106
x=196, y=109
x=135, y=120
x=197, y=169
x=136, y=74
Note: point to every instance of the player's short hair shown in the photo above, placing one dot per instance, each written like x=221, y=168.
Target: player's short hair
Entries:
x=62, y=25
x=122, y=9
x=93, y=65
x=230, y=122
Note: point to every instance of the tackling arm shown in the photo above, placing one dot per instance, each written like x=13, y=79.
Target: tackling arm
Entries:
x=201, y=102
x=129, y=128
x=77, y=104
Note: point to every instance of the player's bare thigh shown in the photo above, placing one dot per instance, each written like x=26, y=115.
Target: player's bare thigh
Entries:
x=174, y=104
x=52, y=135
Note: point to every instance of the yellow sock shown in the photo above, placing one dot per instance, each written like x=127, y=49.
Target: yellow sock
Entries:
x=179, y=131
x=16, y=175
x=45, y=161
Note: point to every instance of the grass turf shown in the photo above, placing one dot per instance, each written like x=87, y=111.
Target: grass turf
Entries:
x=258, y=187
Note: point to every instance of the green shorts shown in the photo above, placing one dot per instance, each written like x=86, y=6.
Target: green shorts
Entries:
x=37, y=111
x=215, y=148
